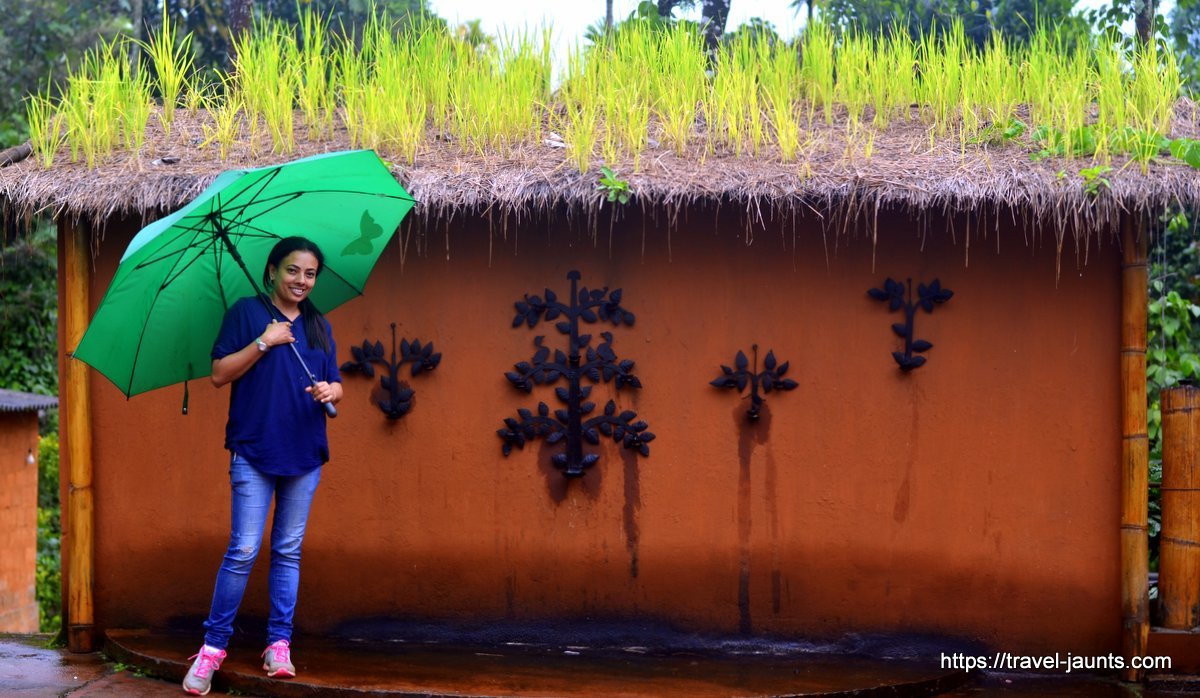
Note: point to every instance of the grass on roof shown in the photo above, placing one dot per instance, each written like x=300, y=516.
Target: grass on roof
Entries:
x=640, y=89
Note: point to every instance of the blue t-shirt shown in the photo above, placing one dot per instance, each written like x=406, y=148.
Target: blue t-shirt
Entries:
x=273, y=423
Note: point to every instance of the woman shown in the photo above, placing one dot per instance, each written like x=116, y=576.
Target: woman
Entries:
x=277, y=443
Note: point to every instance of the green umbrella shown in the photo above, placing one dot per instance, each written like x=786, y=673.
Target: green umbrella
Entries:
x=157, y=322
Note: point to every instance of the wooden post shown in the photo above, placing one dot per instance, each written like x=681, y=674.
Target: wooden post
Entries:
x=1135, y=454
x=78, y=538
x=1179, y=551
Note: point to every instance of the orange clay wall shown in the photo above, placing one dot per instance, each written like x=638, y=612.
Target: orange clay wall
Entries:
x=975, y=497
x=18, y=521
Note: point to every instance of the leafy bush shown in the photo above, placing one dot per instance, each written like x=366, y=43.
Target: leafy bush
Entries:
x=1173, y=338
x=49, y=535
x=29, y=314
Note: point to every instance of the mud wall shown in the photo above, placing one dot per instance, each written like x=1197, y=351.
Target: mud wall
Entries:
x=18, y=522
x=976, y=496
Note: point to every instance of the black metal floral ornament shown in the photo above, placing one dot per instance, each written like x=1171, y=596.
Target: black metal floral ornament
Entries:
x=601, y=365
x=771, y=378
x=398, y=400
x=893, y=292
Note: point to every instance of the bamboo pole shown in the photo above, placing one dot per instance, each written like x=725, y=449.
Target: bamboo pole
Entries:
x=1135, y=455
x=78, y=531
x=1179, y=551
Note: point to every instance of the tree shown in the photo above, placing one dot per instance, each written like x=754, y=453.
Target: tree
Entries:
x=241, y=14
x=715, y=16
x=659, y=13
x=28, y=316
x=1144, y=20
x=39, y=41
x=1017, y=20
x=1185, y=34
x=214, y=23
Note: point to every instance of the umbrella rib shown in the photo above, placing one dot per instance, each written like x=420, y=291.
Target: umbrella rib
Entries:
x=242, y=208
x=171, y=274
x=291, y=196
x=178, y=271
x=173, y=255
x=182, y=233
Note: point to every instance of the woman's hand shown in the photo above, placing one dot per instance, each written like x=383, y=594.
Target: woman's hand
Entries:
x=325, y=392
x=233, y=366
x=278, y=333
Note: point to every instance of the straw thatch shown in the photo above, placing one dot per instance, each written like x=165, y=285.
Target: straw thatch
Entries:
x=902, y=167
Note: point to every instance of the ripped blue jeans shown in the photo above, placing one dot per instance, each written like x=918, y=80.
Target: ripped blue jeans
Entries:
x=252, y=493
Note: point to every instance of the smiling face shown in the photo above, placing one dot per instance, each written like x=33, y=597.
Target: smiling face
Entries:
x=293, y=279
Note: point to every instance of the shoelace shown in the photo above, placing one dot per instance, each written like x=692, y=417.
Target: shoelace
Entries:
x=280, y=652
x=208, y=663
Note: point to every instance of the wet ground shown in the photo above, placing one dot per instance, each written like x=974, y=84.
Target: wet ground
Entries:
x=142, y=665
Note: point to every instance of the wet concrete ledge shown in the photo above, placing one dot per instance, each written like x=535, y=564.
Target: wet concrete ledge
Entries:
x=419, y=666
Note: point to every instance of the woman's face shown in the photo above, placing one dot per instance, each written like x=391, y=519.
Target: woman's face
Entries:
x=295, y=276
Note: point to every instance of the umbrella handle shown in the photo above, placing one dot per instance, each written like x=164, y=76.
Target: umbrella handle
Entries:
x=329, y=408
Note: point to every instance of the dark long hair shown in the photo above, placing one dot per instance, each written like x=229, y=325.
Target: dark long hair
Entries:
x=314, y=322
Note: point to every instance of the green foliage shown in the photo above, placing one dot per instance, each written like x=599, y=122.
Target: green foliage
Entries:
x=1016, y=19
x=29, y=314
x=1094, y=179
x=1091, y=140
x=212, y=37
x=613, y=187
x=39, y=41
x=48, y=575
x=1185, y=37
x=998, y=133
x=753, y=30
x=48, y=581
x=1110, y=19
x=48, y=471
x=1173, y=338
x=645, y=16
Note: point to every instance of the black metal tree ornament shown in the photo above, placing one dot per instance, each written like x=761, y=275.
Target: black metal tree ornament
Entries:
x=399, y=397
x=601, y=365
x=771, y=378
x=893, y=292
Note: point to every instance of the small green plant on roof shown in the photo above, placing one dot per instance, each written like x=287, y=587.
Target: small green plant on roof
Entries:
x=47, y=130
x=1094, y=179
x=615, y=189
x=172, y=59
x=998, y=133
x=1187, y=150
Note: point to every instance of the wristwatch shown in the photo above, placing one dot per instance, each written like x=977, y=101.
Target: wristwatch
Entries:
x=262, y=346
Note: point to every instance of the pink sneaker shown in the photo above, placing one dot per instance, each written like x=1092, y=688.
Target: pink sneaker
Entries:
x=198, y=681
x=277, y=660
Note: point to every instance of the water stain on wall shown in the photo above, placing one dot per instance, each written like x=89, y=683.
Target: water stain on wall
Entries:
x=750, y=434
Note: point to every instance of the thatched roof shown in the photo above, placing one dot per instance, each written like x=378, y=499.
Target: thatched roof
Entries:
x=906, y=167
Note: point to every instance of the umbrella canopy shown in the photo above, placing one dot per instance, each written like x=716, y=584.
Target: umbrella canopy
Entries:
x=159, y=317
